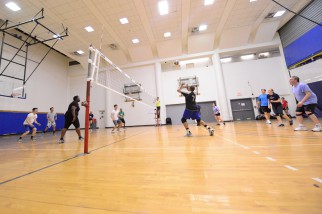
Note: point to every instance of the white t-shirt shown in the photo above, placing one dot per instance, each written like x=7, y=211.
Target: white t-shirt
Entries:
x=32, y=117
x=115, y=114
x=51, y=116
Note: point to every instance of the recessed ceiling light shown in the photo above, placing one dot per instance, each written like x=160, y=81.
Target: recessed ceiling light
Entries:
x=252, y=0
x=208, y=2
x=250, y=56
x=167, y=34
x=124, y=21
x=226, y=59
x=202, y=27
x=56, y=36
x=13, y=6
x=199, y=60
x=135, y=41
x=89, y=29
x=265, y=54
x=80, y=52
x=163, y=7
x=279, y=13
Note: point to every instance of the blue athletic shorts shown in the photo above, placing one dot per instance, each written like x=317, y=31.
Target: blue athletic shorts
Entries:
x=28, y=128
x=193, y=115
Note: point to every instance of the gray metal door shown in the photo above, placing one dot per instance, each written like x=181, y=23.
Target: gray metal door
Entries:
x=242, y=109
x=175, y=112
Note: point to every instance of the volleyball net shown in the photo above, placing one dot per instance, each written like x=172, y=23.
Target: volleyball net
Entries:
x=104, y=73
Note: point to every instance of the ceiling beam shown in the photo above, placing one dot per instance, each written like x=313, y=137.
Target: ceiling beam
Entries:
x=220, y=28
x=257, y=23
x=92, y=7
x=185, y=5
x=296, y=8
x=146, y=25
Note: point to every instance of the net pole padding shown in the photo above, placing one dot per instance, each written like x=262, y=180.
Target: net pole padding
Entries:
x=87, y=107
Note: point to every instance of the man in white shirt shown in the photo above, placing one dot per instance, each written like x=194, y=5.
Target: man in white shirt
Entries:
x=114, y=116
x=28, y=124
x=51, y=118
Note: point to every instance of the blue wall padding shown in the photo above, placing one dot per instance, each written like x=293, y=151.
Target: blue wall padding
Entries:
x=11, y=122
x=316, y=87
x=304, y=47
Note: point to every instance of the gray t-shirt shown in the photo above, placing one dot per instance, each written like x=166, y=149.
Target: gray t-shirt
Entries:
x=51, y=116
x=299, y=93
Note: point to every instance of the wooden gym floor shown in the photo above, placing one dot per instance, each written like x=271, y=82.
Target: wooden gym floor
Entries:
x=247, y=167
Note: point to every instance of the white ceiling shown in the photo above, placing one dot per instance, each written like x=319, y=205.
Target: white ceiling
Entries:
x=231, y=23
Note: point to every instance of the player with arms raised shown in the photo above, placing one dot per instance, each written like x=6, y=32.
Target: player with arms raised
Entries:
x=191, y=110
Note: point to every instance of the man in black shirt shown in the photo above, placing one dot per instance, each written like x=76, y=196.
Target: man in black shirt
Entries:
x=275, y=100
x=71, y=117
x=191, y=111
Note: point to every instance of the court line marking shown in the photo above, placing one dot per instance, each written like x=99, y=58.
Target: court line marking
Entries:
x=270, y=158
x=291, y=167
x=318, y=180
x=62, y=161
x=67, y=205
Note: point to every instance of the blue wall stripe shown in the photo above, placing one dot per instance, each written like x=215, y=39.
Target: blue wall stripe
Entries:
x=11, y=122
x=304, y=47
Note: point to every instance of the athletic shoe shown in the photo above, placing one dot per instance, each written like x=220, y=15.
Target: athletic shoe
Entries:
x=61, y=141
x=317, y=128
x=188, y=134
x=224, y=123
x=268, y=122
x=218, y=124
x=281, y=125
x=291, y=122
x=20, y=140
x=113, y=131
x=300, y=128
x=211, y=132
x=80, y=138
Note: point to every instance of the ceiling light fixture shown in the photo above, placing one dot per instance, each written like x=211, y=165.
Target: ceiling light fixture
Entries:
x=224, y=60
x=252, y=0
x=279, y=13
x=80, y=52
x=245, y=57
x=89, y=29
x=135, y=41
x=163, y=7
x=13, y=6
x=124, y=20
x=167, y=34
x=208, y=2
x=202, y=27
x=265, y=54
x=194, y=61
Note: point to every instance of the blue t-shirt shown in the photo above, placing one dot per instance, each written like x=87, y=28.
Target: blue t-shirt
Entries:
x=299, y=93
x=263, y=99
x=216, y=110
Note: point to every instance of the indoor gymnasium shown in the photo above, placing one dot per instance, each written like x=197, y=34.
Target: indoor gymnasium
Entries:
x=160, y=106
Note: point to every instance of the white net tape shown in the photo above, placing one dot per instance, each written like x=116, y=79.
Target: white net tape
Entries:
x=105, y=73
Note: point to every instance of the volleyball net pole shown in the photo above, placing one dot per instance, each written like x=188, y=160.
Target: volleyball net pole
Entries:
x=88, y=100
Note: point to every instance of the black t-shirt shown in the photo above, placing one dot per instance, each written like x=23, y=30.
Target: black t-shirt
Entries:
x=69, y=111
x=190, y=101
x=274, y=97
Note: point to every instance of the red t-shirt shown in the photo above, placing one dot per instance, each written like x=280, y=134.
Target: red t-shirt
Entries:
x=284, y=103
